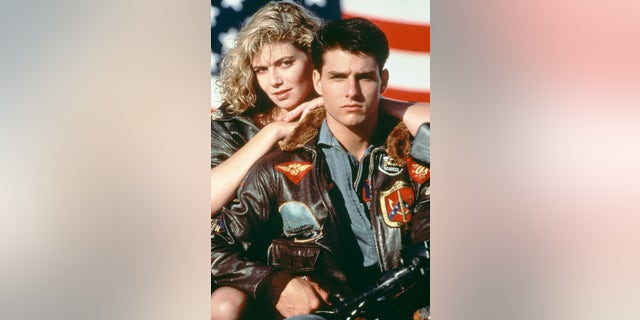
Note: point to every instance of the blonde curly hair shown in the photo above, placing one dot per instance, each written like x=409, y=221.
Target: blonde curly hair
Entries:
x=275, y=22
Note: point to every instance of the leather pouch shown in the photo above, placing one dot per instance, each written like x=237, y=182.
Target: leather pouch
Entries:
x=293, y=256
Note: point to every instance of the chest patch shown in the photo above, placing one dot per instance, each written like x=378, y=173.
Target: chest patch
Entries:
x=389, y=166
x=396, y=203
x=217, y=225
x=298, y=222
x=295, y=171
x=418, y=172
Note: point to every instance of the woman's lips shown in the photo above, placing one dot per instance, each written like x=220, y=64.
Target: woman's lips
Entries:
x=282, y=94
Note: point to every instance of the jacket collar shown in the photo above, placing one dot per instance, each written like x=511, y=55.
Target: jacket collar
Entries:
x=398, y=144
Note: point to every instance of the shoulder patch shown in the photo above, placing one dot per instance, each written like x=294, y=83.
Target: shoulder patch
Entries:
x=295, y=171
x=389, y=166
x=418, y=172
x=217, y=225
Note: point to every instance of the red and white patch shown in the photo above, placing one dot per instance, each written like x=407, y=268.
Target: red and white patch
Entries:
x=418, y=172
x=295, y=171
x=396, y=203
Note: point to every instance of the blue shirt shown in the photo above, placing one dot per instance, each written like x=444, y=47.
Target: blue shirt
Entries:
x=350, y=177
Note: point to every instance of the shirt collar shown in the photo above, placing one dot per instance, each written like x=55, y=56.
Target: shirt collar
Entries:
x=325, y=137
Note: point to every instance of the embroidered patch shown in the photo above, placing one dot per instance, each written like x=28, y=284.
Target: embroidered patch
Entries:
x=418, y=172
x=217, y=225
x=395, y=203
x=389, y=166
x=299, y=222
x=295, y=171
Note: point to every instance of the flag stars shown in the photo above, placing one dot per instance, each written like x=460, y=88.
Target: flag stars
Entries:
x=227, y=39
x=215, y=58
x=235, y=4
x=214, y=13
x=319, y=3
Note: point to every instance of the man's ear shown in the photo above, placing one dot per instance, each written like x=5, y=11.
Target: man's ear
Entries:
x=316, y=81
x=384, y=80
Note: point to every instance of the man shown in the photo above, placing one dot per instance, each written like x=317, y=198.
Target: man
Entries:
x=322, y=219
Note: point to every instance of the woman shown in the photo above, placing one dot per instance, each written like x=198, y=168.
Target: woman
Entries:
x=263, y=78
x=266, y=83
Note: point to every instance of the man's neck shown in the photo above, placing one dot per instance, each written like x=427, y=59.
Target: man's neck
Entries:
x=354, y=140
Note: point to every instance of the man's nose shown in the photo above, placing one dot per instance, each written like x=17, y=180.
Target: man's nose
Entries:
x=353, y=88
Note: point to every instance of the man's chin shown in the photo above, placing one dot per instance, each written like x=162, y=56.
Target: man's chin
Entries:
x=353, y=123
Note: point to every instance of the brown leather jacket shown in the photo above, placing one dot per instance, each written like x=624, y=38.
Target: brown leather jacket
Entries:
x=288, y=221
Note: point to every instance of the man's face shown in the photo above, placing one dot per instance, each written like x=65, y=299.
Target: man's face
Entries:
x=350, y=85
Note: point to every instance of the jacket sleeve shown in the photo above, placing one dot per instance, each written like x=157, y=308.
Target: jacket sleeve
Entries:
x=239, y=253
x=421, y=227
x=221, y=146
x=226, y=138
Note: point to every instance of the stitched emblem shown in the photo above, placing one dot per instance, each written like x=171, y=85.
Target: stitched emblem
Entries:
x=418, y=172
x=217, y=225
x=396, y=203
x=299, y=222
x=389, y=166
x=295, y=171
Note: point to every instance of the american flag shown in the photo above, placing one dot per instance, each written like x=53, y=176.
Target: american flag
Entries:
x=406, y=24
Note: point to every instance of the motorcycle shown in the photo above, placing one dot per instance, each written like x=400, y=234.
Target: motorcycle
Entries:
x=370, y=304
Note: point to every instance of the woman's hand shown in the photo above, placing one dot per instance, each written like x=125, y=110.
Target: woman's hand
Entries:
x=278, y=130
x=300, y=111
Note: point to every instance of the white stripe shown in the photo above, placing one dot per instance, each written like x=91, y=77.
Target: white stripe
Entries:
x=409, y=70
x=406, y=11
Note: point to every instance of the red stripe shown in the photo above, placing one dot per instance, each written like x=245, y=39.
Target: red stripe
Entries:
x=403, y=36
x=421, y=96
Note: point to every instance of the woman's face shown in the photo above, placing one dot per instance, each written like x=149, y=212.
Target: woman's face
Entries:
x=284, y=74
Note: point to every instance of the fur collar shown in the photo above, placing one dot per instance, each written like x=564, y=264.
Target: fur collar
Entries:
x=398, y=141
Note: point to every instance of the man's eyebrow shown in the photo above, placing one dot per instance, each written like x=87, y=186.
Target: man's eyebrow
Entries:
x=344, y=74
x=337, y=73
x=366, y=73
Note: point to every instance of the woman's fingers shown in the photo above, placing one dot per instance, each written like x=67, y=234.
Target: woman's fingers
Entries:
x=300, y=111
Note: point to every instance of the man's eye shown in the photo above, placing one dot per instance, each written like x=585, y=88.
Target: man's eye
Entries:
x=287, y=63
x=259, y=70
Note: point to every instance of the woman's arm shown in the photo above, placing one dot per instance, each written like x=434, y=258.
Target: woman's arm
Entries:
x=413, y=114
x=227, y=176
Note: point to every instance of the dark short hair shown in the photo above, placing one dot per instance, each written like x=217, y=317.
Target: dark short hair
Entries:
x=356, y=35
